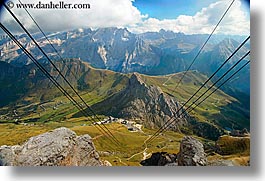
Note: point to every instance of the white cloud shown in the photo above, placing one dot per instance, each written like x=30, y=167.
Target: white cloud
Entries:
x=236, y=21
x=107, y=13
x=122, y=13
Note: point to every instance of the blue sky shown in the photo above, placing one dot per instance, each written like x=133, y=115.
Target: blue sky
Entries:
x=169, y=9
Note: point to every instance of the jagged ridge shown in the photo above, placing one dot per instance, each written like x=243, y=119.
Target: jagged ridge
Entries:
x=148, y=104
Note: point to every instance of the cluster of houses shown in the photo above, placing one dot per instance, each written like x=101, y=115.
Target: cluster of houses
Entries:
x=131, y=125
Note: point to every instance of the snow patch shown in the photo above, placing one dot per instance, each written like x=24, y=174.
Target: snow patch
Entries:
x=102, y=52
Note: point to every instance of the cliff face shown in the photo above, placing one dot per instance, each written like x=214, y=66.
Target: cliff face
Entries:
x=61, y=147
x=142, y=102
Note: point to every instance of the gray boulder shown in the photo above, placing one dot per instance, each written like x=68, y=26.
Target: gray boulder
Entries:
x=191, y=153
x=60, y=147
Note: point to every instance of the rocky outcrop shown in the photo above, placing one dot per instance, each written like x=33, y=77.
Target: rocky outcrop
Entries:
x=239, y=133
x=191, y=153
x=139, y=101
x=60, y=147
x=227, y=145
x=160, y=159
x=207, y=130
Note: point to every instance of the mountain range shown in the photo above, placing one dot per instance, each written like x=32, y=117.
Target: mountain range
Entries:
x=151, y=53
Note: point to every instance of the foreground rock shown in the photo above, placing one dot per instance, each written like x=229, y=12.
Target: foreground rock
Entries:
x=160, y=159
x=191, y=153
x=61, y=147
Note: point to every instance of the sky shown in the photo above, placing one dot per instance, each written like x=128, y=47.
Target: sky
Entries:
x=170, y=9
x=138, y=16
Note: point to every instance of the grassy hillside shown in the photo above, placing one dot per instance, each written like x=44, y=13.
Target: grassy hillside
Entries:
x=42, y=102
x=220, y=109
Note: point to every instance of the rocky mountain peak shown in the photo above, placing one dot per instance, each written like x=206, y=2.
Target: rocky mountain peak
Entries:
x=137, y=86
x=136, y=80
x=139, y=101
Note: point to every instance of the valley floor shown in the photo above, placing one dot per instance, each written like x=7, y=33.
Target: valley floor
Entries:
x=133, y=147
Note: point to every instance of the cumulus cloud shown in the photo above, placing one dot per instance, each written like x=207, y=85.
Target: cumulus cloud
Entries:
x=122, y=13
x=236, y=21
x=107, y=13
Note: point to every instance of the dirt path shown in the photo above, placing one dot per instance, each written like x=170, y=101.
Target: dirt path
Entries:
x=164, y=84
x=121, y=161
x=144, y=152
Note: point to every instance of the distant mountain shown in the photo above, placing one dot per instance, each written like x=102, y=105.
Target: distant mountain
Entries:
x=152, y=53
x=117, y=49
